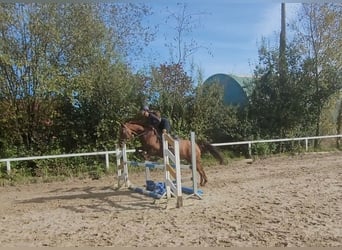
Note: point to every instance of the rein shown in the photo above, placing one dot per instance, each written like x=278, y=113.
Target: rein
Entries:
x=137, y=135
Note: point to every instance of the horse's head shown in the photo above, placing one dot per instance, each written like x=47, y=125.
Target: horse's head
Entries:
x=125, y=133
x=129, y=130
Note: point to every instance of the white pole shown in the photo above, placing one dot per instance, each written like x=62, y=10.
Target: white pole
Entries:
x=178, y=175
x=107, y=161
x=8, y=165
x=125, y=166
x=250, y=149
x=166, y=163
x=118, y=153
x=193, y=163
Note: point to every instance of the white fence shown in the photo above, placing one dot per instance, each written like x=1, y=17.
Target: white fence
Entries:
x=107, y=153
x=306, y=139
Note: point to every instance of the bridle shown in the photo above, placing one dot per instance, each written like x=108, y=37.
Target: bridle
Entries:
x=136, y=134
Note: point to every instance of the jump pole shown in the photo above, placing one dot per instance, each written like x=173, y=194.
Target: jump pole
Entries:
x=171, y=188
x=192, y=191
x=175, y=172
x=122, y=171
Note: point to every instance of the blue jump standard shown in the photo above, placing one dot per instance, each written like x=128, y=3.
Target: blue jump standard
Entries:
x=149, y=165
x=188, y=190
x=159, y=188
x=148, y=193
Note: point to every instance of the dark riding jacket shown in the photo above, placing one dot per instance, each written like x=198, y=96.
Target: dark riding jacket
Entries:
x=159, y=123
x=153, y=119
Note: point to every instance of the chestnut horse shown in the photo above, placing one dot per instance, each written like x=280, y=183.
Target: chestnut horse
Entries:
x=152, y=145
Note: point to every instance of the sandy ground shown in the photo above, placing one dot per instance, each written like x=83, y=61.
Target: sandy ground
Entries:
x=280, y=201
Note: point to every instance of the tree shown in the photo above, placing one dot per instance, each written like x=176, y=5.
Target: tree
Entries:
x=25, y=84
x=211, y=119
x=169, y=91
x=279, y=107
x=55, y=53
x=128, y=34
x=320, y=32
x=184, y=24
x=292, y=105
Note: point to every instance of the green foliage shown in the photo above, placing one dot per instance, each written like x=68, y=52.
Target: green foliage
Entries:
x=263, y=149
x=63, y=78
x=54, y=169
x=292, y=106
x=319, y=31
x=169, y=91
x=214, y=120
x=66, y=83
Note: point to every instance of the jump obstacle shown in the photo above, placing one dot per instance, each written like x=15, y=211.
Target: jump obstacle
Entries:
x=172, y=185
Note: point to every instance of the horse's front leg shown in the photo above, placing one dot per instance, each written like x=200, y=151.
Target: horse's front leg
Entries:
x=141, y=153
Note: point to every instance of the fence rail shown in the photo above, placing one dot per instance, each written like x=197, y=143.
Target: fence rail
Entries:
x=306, y=139
x=107, y=153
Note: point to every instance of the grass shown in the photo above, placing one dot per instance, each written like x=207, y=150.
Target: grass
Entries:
x=43, y=173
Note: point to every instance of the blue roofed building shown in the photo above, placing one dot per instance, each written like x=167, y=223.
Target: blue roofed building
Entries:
x=233, y=87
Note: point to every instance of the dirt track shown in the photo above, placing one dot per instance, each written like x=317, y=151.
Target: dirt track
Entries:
x=283, y=201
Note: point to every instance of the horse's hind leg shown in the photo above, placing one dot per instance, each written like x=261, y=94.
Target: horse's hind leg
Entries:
x=203, y=176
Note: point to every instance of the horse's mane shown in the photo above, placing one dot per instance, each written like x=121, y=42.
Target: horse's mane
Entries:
x=142, y=123
x=138, y=122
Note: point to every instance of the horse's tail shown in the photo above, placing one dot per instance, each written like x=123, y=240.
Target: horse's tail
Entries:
x=207, y=147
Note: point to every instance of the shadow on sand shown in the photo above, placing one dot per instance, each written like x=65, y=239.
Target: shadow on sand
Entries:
x=97, y=199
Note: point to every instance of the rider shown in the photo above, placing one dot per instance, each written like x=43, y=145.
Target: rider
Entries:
x=155, y=119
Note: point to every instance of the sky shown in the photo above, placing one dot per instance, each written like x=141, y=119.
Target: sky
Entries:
x=230, y=30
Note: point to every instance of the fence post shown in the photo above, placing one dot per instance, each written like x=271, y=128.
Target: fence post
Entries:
x=250, y=149
x=107, y=161
x=8, y=166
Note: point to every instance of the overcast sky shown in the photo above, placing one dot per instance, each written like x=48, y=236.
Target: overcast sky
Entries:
x=230, y=29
